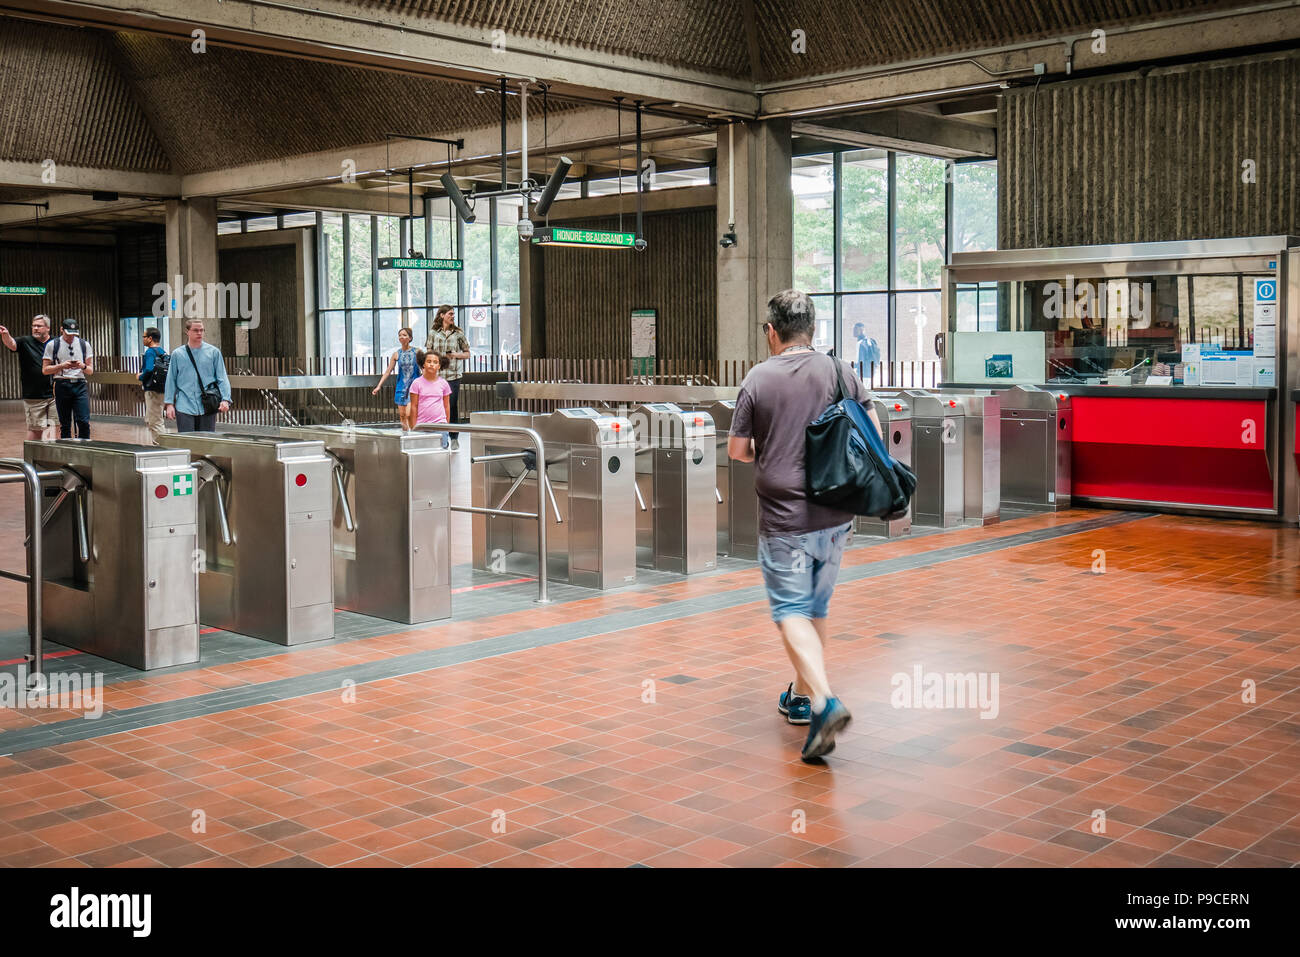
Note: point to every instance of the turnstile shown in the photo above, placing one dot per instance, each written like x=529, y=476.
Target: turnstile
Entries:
x=676, y=473
x=590, y=488
x=392, y=555
x=1036, y=443
x=895, y=414
x=738, y=510
x=981, y=434
x=264, y=532
x=119, y=551
x=938, y=454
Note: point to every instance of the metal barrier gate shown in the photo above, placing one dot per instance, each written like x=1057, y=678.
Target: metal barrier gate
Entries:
x=392, y=547
x=118, y=562
x=265, y=506
x=677, y=474
x=588, y=481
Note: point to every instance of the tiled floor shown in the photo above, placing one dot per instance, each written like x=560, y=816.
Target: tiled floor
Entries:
x=639, y=726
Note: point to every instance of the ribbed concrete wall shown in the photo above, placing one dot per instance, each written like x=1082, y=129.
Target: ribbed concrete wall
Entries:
x=1160, y=157
x=590, y=293
x=81, y=283
x=62, y=98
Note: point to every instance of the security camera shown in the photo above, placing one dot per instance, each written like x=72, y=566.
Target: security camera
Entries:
x=639, y=244
x=727, y=241
x=525, y=228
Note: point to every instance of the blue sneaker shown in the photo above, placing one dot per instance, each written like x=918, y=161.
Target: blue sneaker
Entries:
x=796, y=708
x=827, y=723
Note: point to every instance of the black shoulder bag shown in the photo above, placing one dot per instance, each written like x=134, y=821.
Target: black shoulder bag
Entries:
x=211, y=395
x=846, y=463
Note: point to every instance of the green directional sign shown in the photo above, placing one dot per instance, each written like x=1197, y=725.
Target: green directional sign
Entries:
x=22, y=290
x=592, y=238
x=421, y=264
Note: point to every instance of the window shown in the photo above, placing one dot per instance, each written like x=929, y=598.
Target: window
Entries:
x=875, y=269
x=812, y=183
x=919, y=220
x=974, y=207
x=363, y=306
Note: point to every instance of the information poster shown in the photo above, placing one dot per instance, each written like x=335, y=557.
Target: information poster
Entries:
x=643, y=341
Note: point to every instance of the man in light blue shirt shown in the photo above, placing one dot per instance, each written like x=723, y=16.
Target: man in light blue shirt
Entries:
x=193, y=366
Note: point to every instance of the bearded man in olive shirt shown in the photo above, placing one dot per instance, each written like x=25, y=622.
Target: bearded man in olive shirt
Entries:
x=800, y=543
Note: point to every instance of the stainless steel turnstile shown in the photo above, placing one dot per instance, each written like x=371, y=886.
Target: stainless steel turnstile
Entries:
x=392, y=555
x=895, y=414
x=738, y=510
x=264, y=530
x=981, y=434
x=119, y=551
x=938, y=454
x=590, y=486
x=676, y=473
x=1036, y=443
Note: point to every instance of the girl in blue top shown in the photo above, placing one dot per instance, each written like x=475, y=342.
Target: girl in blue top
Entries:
x=404, y=360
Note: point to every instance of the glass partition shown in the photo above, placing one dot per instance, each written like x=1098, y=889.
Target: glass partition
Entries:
x=1173, y=322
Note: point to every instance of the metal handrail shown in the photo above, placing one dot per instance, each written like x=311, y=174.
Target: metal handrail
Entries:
x=34, y=579
x=540, y=514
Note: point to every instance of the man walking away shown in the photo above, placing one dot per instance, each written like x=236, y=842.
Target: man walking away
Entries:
x=192, y=368
x=153, y=377
x=800, y=543
x=69, y=360
x=38, y=390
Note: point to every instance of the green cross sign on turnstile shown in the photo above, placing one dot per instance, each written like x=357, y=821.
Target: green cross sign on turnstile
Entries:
x=182, y=485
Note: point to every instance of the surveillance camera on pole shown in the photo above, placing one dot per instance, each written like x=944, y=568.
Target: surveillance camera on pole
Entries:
x=457, y=198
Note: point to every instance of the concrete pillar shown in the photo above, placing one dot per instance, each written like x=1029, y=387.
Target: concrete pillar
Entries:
x=192, y=255
x=760, y=264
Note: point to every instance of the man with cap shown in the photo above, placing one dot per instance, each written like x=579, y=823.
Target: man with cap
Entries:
x=68, y=359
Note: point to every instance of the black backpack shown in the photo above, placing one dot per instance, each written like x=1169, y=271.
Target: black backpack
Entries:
x=157, y=381
x=848, y=467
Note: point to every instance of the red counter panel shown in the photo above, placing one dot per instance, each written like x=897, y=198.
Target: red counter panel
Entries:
x=1187, y=451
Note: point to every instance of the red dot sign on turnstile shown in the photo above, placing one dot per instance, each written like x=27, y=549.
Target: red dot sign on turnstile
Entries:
x=898, y=407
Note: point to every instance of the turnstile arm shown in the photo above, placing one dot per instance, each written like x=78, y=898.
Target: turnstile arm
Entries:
x=83, y=538
x=340, y=487
x=718, y=494
x=519, y=480
x=551, y=495
x=209, y=473
x=640, y=500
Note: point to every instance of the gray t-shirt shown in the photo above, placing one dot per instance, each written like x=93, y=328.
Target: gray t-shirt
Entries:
x=778, y=400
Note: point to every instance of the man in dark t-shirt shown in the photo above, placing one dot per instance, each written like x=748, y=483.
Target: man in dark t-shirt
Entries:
x=38, y=388
x=800, y=543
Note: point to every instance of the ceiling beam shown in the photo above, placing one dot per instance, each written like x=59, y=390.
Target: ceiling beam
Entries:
x=980, y=71
x=570, y=131
x=63, y=206
x=338, y=31
x=69, y=178
x=905, y=131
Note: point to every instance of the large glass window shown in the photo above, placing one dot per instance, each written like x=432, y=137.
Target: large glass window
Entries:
x=876, y=268
x=919, y=222
x=360, y=317
x=813, y=186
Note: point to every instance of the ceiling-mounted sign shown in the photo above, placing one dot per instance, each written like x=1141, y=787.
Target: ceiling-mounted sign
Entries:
x=422, y=264
x=22, y=290
x=591, y=238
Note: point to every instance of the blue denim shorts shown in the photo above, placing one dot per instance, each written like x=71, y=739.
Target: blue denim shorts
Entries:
x=800, y=570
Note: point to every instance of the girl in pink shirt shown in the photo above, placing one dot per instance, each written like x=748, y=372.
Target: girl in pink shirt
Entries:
x=430, y=393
